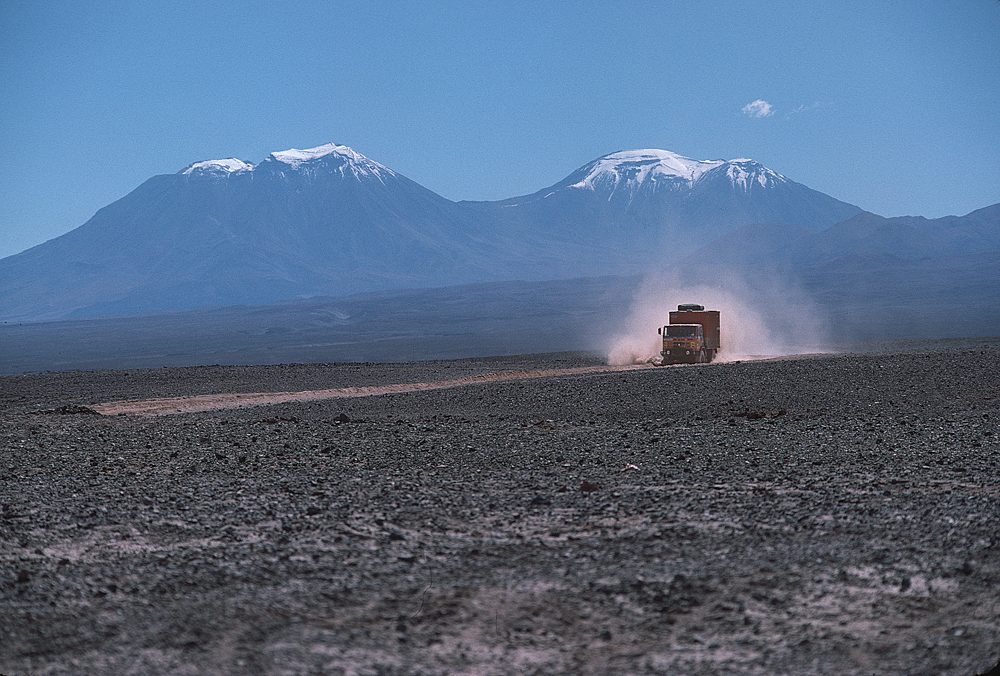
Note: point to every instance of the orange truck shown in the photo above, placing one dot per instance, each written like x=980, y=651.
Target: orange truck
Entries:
x=693, y=335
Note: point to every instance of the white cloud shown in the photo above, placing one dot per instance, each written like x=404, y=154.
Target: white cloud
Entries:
x=758, y=108
x=804, y=107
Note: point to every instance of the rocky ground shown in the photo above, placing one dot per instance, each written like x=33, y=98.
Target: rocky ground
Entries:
x=820, y=515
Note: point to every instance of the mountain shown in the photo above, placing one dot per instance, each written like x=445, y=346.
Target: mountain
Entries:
x=651, y=206
x=330, y=221
x=223, y=232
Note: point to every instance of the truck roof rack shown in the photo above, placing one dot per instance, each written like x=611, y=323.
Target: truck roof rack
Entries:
x=690, y=307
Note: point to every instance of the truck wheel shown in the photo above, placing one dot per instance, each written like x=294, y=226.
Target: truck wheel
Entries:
x=709, y=356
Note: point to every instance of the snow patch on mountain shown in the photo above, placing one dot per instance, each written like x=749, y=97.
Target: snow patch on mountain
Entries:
x=329, y=157
x=333, y=155
x=295, y=158
x=217, y=167
x=743, y=172
x=626, y=171
x=636, y=167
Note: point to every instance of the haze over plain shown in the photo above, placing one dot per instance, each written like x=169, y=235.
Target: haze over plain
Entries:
x=889, y=107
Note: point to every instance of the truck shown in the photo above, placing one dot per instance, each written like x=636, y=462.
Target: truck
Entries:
x=692, y=336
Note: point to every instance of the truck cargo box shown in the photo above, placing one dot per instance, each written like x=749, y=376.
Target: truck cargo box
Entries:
x=709, y=320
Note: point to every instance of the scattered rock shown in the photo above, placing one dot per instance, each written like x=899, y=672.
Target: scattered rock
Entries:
x=444, y=535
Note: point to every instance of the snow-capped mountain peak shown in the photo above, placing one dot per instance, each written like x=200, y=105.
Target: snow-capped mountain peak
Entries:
x=328, y=157
x=296, y=158
x=217, y=167
x=345, y=160
x=635, y=167
x=624, y=172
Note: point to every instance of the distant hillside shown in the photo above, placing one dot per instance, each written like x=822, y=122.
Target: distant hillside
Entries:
x=874, y=277
x=502, y=318
x=911, y=238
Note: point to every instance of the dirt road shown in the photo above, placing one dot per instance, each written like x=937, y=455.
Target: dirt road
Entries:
x=218, y=401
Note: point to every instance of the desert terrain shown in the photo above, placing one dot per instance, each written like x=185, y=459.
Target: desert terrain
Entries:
x=822, y=514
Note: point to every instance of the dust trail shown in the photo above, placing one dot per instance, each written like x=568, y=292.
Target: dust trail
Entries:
x=760, y=318
x=212, y=402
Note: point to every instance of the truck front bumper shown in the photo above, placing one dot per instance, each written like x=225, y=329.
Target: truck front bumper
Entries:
x=678, y=355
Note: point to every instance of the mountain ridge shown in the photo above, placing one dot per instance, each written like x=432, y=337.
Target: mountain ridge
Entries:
x=330, y=221
x=905, y=238
x=317, y=255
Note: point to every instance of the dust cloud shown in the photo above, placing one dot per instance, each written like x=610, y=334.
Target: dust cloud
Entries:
x=760, y=319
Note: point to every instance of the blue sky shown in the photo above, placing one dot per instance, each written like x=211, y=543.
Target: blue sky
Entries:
x=893, y=106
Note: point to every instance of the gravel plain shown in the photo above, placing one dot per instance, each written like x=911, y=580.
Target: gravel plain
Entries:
x=830, y=514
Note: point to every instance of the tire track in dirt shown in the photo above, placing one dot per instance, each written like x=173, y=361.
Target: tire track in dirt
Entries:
x=212, y=402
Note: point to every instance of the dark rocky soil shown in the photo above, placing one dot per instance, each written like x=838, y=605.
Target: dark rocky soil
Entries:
x=822, y=515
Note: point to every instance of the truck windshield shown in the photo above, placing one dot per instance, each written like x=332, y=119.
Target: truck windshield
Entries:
x=681, y=330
